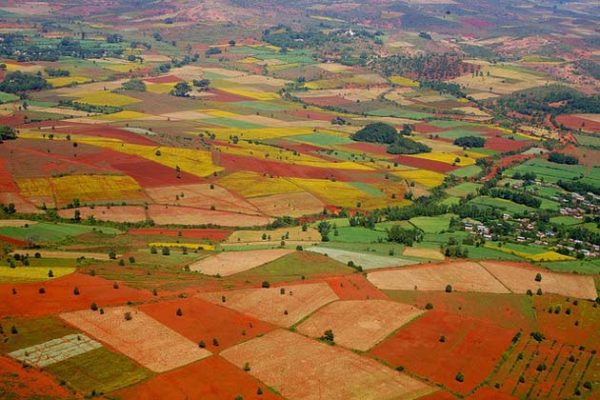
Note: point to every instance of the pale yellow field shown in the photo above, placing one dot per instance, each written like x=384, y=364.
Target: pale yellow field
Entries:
x=293, y=234
x=339, y=193
x=160, y=87
x=403, y=81
x=424, y=177
x=250, y=184
x=32, y=274
x=66, y=80
x=106, y=98
x=448, y=158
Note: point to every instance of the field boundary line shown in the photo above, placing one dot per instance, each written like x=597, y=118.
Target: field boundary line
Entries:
x=494, y=276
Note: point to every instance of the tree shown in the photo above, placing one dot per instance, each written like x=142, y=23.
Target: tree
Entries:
x=76, y=291
x=136, y=85
x=538, y=277
x=327, y=337
x=131, y=260
x=18, y=82
x=94, y=307
x=112, y=255
x=378, y=132
x=179, y=313
x=470, y=141
x=324, y=228
x=448, y=288
x=266, y=284
x=166, y=251
x=181, y=89
x=429, y=306
x=460, y=377
x=201, y=84
x=153, y=250
x=7, y=133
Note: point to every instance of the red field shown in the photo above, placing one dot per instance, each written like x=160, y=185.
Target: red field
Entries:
x=354, y=287
x=503, y=144
x=216, y=235
x=314, y=115
x=472, y=346
x=17, y=382
x=431, y=165
x=574, y=122
x=103, y=131
x=210, y=379
x=204, y=321
x=9, y=240
x=151, y=174
x=371, y=148
x=59, y=295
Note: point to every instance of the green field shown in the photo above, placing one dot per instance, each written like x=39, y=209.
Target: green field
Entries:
x=565, y=220
x=435, y=224
x=232, y=123
x=7, y=97
x=33, y=331
x=99, y=370
x=295, y=266
x=464, y=189
x=466, y=172
x=484, y=253
x=457, y=133
x=52, y=232
x=590, y=266
x=502, y=204
x=357, y=234
x=552, y=172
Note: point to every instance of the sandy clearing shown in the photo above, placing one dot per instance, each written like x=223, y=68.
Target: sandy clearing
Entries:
x=359, y=324
x=433, y=254
x=291, y=204
x=462, y=275
x=105, y=213
x=520, y=278
x=55, y=350
x=166, y=215
x=366, y=261
x=296, y=302
x=292, y=234
x=143, y=339
x=301, y=368
x=229, y=263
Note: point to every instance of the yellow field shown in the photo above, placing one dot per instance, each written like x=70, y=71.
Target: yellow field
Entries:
x=448, y=158
x=545, y=256
x=67, y=80
x=106, y=98
x=83, y=187
x=160, y=88
x=250, y=184
x=403, y=81
x=31, y=274
x=123, y=115
x=192, y=246
x=247, y=92
x=339, y=193
x=424, y=177
x=195, y=162
x=293, y=234
x=219, y=113
x=261, y=133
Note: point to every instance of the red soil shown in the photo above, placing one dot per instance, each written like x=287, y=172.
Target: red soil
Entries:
x=234, y=162
x=372, y=148
x=150, y=174
x=209, y=379
x=204, y=321
x=431, y=165
x=25, y=383
x=9, y=240
x=163, y=79
x=503, y=144
x=216, y=235
x=506, y=162
x=13, y=120
x=59, y=295
x=441, y=395
x=354, y=287
x=6, y=182
x=573, y=122
x=473, y=347
x=486, y=393
x=426, y=128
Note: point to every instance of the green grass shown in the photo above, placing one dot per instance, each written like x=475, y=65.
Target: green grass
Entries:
x=261, y=105
x=552, y=172
x=590, y=266
x=457, y=133
x=435, y=224
x=448, y=124
x=588, y=140
x=380, y=249
x=7, y=97
x=565, y=220
x=32, y=331
x=484, y=253
x=524, y=248
x=321, y=139
x=294, y=266
x=368, y=189
x=549, y=204
x=100, y=370
x=464, y=189
x=450, y=201
x=501, y=204
x=357, y=234
x=466, y=172
x=232, y=123
x=52, y=232
x=444, y=237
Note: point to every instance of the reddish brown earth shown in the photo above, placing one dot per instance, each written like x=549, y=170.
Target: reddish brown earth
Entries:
x=27, y=383
x=503, y=144
x=204, y=321
x=314, y=115
x=150, y=174
x=59, y=295
x=574, y=122
x=473, y=347
x=354, y=287
x=209, y=379
x=9, y=240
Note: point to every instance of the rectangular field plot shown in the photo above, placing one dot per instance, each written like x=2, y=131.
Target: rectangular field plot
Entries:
x=366, y=261
x=282, y=306
x=138, y=336
x=301, y=368
x=55, y=350
x=359, y=324
x=229, y=263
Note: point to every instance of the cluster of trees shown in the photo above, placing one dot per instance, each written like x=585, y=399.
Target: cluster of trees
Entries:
x=18, y=82
x=517, y=197
x=57, y=72
x=7, y=133
x=560, y=158
x=453, y=89
x=578, y=187
x=397, y=234
x=286, y=38
x=91, y=108
x=136, y=85
x=181, y=89
x=527, y=176
x=470, y=141
x=201, y=84
x=380, y=132
x=426, y=67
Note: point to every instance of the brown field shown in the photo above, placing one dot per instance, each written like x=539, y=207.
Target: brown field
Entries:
x=359, y=324
x=295, y=234
x=328, y=372
x=200, y=196
x=106, y=213
x=165, y=215
x=291, y=204
x=271, y=305
x=143, y=339
x=67, y=254
x=462, y=275
x=229, y=263
x=521, y=277
x=433, y=254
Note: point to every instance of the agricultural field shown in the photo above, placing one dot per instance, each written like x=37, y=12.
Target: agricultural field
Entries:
x=234, y=200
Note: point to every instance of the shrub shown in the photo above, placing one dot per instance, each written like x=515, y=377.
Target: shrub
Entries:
x=266, y=284
x=179, y=313
x=94, y=307
x=460, y=377
x=201, y=344
x=538, y=277
x=166, y=251
x=449, y=289
x=328, y=336
x=429, y=306
x=76, y=291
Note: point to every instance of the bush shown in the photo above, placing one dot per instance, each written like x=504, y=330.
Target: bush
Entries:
x=538, y=277
x=327, y=337
x=166, y=251
x=470, y=141
x=266, y=284
x=429, y=306
x=460, y=377
x=94, y=307
x=179, y=313
x=449, y=289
